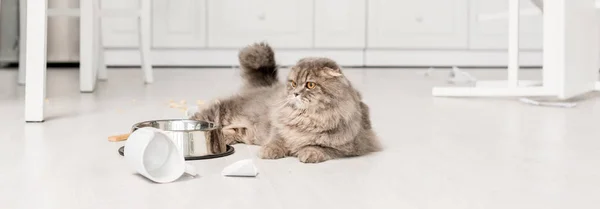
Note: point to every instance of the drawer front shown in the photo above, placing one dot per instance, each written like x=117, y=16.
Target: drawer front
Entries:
x=237, y=23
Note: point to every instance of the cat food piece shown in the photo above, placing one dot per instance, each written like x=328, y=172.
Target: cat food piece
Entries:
x=200, y=102
x=174, y=105
x=182, y=102
x=118, y=138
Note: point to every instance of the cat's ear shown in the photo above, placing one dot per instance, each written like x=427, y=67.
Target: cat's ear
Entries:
x=332, y=72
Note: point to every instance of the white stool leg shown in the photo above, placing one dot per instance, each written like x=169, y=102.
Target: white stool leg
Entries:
x=513, y=43
x=144, y=32
x=22, y=34
x=99, y=45
x=87, y=74
x=35, y=76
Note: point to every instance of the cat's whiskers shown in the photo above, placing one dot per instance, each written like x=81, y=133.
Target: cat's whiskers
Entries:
x=282, y=104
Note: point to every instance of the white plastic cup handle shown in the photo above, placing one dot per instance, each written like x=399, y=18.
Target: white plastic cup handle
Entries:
x=190, y=170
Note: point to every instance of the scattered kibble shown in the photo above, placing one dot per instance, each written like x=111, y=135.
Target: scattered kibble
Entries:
x=200, y=102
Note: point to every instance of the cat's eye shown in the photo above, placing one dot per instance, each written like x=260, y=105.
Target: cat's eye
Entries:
x=311, y=85
x=293, y=84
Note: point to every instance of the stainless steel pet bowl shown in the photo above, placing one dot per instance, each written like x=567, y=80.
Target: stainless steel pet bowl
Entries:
x=190, y=136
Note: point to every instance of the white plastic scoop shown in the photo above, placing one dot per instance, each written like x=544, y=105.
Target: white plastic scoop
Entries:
x=242, y=168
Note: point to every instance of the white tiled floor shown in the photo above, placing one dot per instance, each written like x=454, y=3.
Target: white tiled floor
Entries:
x=439, y=152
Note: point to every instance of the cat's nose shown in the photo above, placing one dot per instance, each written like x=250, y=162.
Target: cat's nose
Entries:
x=296, y=94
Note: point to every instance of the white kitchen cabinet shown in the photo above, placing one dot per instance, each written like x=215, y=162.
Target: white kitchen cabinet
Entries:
x=179, y=23
x=340, y=23
x=237, y=23
x=489, y=25
x=119, y=31
x=353, y=32
x=422, y=24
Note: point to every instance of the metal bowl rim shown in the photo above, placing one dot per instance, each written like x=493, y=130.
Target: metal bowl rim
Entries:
x=211, y=125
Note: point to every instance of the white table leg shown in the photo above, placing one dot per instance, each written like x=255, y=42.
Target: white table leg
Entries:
x=35, y=48
x=144, y=39
x=570, y=28
x=87, y=67
x=98, y=44
x=101, y=63
x=22, y=33
x=570, y=47
x=513, y=43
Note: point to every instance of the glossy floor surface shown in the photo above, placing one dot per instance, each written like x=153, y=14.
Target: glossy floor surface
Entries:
x=439, y=152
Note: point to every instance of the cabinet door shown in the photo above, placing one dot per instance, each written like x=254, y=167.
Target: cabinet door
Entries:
x=340, y=23
x=422, y=24
x=120, y=31
x=282, y=23
x=179, y=23
x=489, y=25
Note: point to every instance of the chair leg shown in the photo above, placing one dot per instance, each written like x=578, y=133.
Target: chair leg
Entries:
x=22, y=35
x=35, y=76
x=87, y=74
x=102, y=72
x=144, y=32
x=99, y=43
x=513, y=43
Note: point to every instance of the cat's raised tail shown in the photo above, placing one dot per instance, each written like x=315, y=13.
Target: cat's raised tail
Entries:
x=258, y=65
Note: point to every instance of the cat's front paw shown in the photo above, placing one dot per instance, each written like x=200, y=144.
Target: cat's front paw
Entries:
x=271, y=152
x=312, y=155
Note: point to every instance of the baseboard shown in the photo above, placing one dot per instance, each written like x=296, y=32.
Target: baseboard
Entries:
x=350, y=57
x=432, y=58
x=224, y=57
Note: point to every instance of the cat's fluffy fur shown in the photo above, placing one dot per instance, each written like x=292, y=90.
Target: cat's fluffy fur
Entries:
x=290, y=119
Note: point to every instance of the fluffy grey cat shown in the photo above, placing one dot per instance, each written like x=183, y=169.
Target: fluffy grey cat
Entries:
x=316, y=115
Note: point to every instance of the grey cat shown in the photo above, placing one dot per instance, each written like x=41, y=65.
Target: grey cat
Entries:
x=316, y=115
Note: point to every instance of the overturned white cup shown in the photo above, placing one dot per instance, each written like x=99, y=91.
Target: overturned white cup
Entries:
x=152, y=153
